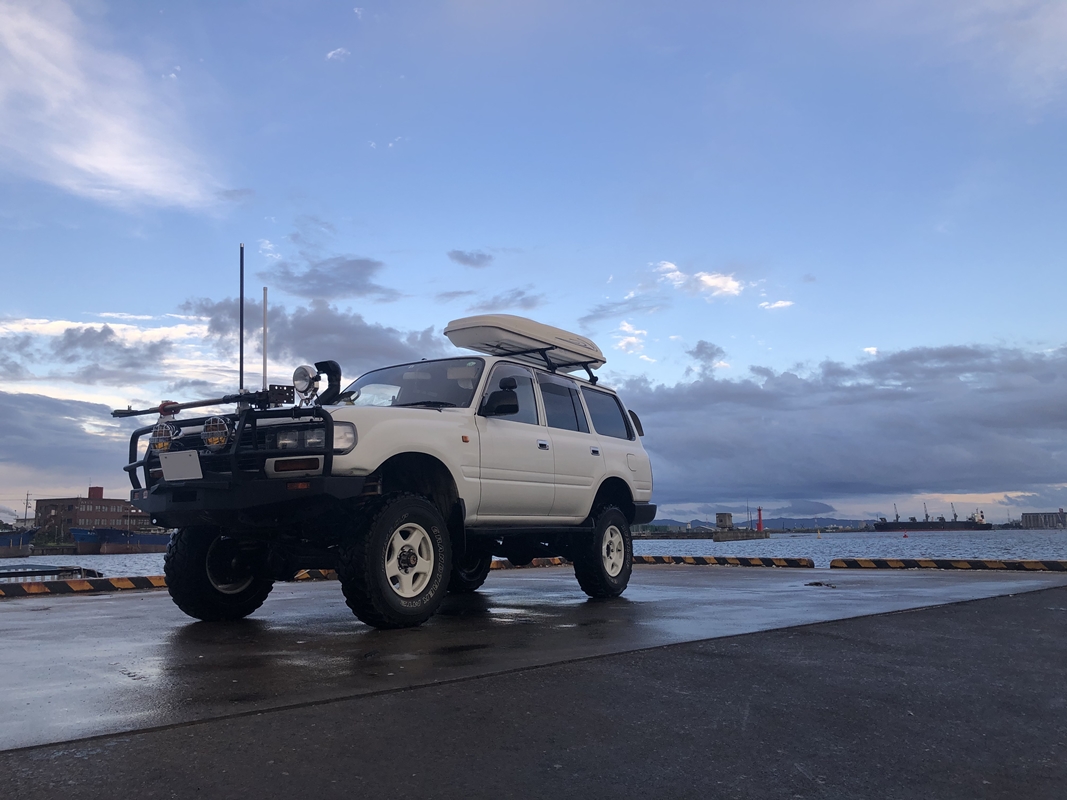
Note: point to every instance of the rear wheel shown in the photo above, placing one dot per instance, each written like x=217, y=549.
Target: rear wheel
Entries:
x=603, y=563
x=214, y=577
x=470, y=572
x=394, y=568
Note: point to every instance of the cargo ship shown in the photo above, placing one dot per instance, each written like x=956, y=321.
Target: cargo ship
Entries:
x=105, y=541
x=975, y=522
x=17, y=543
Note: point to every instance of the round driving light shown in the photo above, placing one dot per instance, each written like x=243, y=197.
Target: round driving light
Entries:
x=303, y=377
x=163, y=435
x=216, y=433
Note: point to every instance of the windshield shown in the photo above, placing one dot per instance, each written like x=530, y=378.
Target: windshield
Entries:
x=437, y=384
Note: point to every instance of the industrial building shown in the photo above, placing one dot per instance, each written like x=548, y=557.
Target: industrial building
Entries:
x=1044, y=520
x=57, y=515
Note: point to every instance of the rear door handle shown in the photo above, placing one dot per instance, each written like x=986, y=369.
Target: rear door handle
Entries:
x=594, y=451
x=542, y=444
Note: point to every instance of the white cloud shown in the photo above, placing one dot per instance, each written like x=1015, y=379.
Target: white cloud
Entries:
x=1023, y=41
x=646, y=358
x=268, y=249
x=871, y=351
x=122, y=315
x=630, y=339
x=715, y=284
x=1028, y=36
x=776, y=304
x=85, y=119
x=340, y=54
x=359, y=12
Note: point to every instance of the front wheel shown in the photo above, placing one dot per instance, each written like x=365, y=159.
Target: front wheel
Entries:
x=215, y=577
x=394, y=569
x=603, y=563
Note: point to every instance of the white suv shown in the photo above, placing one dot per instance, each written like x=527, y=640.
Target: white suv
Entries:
x=408, y=482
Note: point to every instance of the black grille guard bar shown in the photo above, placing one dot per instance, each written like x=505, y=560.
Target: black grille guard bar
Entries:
x=247, y=418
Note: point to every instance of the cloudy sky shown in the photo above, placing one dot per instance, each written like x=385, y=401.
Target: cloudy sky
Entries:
x=821, y=243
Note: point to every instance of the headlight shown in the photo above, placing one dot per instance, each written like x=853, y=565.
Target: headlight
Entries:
x=216, y=434
x=344, y=436
x=162, y=436
x=303, y=377
x=316, y=438
x=288, y=440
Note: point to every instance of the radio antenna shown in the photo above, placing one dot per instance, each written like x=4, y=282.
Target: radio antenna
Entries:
x=264, y=338
x=241, y=340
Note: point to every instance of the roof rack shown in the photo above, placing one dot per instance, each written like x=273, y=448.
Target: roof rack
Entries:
x=552, y=365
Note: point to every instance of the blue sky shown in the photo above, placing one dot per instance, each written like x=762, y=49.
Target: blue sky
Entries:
x=794, y=185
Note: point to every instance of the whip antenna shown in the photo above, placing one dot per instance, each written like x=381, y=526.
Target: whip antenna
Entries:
x=264, y=338
x=241, y=340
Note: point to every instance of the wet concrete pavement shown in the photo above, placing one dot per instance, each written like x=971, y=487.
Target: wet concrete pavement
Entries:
x=74, y=667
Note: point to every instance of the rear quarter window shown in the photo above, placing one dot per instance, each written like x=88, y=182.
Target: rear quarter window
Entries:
x=606, y=413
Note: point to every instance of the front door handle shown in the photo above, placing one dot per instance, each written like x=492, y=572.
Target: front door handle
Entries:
x=542, y=444
x=595, y=451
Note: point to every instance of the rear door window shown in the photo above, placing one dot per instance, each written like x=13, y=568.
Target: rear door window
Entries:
x=606, y=411
x=563, y=408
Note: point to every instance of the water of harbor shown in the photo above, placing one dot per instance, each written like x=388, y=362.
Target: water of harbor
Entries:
x=1008, y=544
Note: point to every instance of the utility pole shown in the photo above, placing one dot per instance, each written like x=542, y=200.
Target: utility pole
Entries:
x=26, y=510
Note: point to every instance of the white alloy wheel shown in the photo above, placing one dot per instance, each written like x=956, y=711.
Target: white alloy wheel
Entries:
x=409, y=560
x=613, y=551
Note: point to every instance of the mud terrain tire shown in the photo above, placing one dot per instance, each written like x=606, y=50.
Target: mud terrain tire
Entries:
x=603, y=563
x=469, y=572
x=396, y=562
x=214, y=577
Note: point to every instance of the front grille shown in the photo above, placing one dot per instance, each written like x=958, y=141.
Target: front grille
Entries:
x=257, y=443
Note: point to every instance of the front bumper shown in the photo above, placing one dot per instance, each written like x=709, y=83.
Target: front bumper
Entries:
x=179, y=503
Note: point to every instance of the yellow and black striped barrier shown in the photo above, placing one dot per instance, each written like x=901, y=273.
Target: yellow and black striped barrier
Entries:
x=316, y=575
x=537, y=562
x=726, y=561
x=82, y=585
x=948, y=563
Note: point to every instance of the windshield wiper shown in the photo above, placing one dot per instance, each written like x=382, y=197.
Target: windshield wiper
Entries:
x=427, y=403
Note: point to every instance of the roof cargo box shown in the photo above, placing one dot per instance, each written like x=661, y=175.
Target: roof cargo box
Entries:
x=526, y=341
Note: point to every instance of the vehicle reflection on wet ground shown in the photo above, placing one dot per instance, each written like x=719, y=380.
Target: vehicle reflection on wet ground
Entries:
x=81, y=666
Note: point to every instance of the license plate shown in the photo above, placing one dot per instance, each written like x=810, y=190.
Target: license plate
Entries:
x=183, y=466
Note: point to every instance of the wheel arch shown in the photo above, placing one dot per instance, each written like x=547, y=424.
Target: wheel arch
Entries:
x=615, y=491
x=422, y=474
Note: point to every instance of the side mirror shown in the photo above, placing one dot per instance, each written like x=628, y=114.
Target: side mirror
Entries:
x=501, y=404
x=637, y=423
